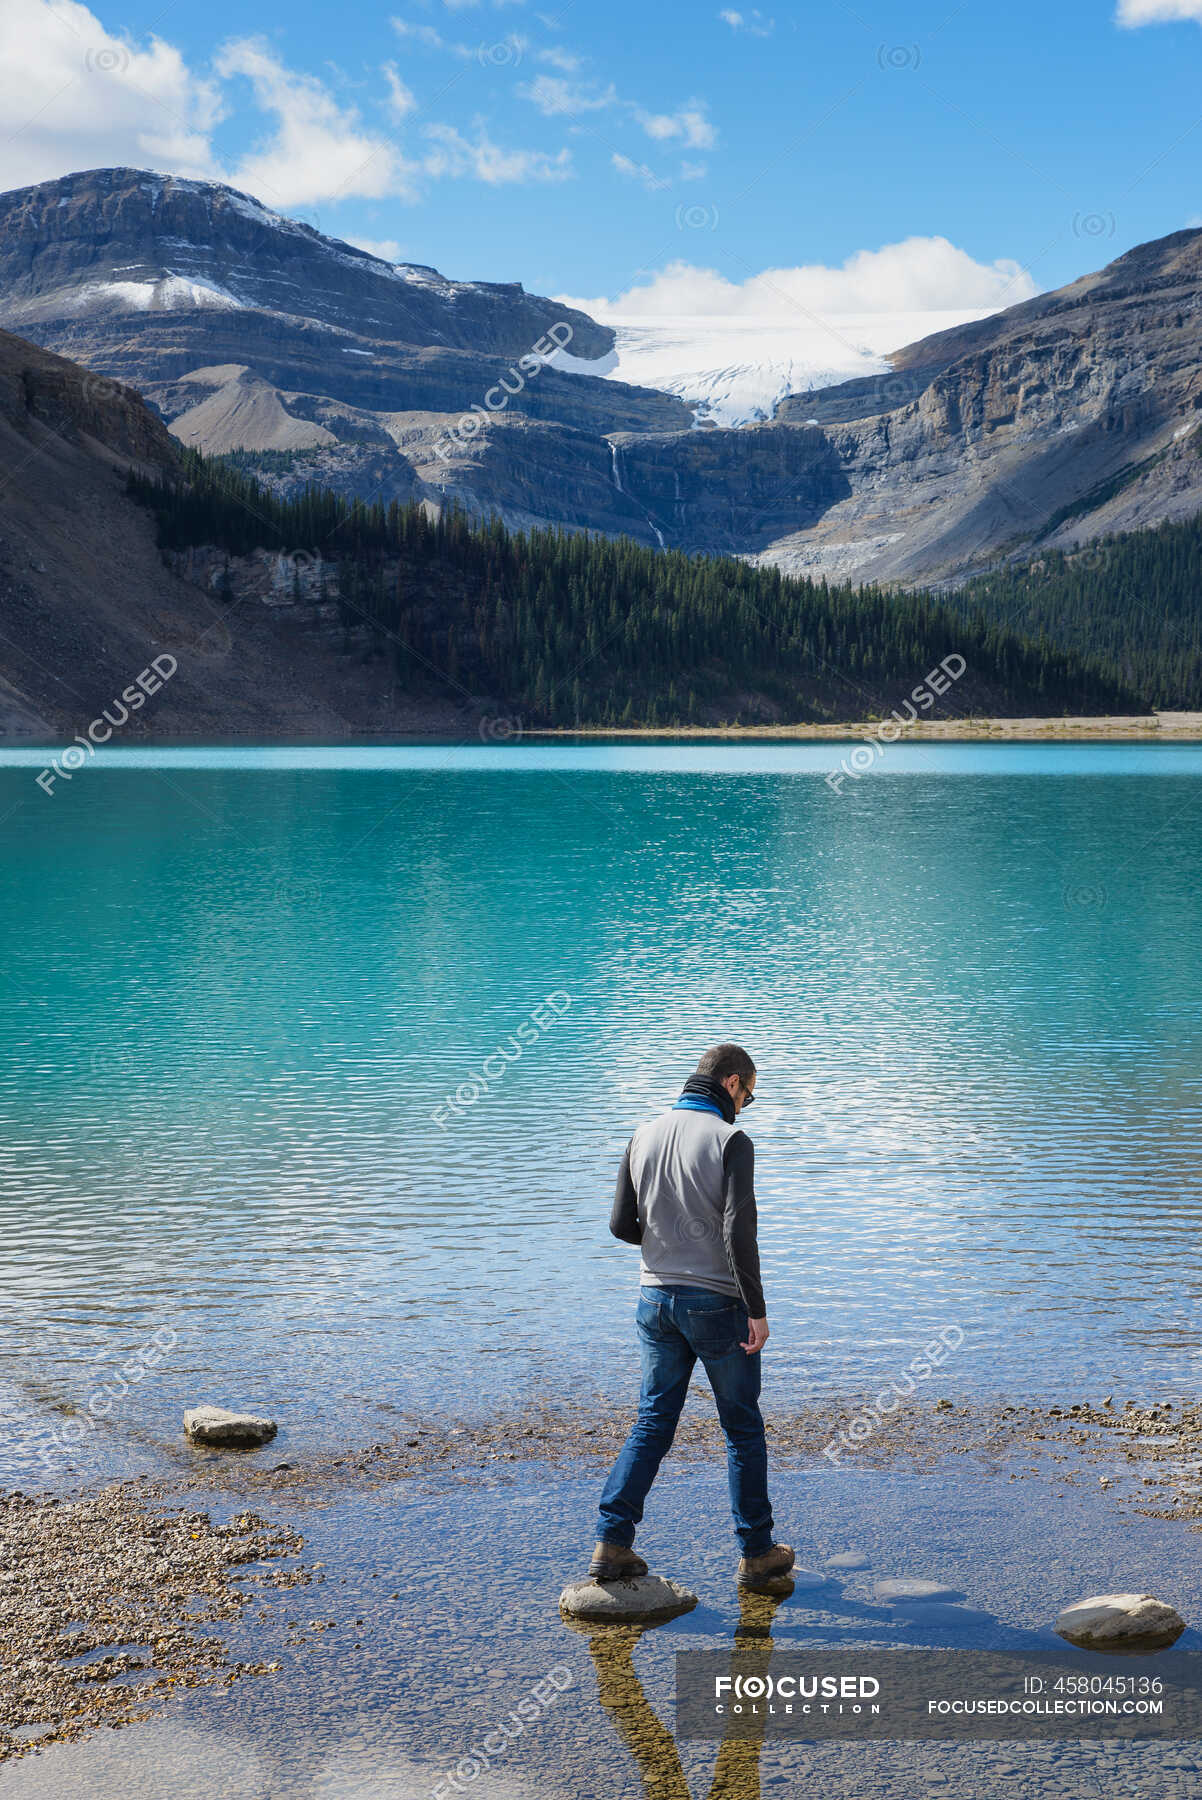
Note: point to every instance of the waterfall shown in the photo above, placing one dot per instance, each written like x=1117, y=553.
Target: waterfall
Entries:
x=617, y=471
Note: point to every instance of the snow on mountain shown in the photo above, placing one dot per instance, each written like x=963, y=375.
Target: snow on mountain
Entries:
x=733, y=369
x=170, y=293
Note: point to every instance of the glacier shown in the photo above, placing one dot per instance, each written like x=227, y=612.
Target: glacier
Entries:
x=733, y=369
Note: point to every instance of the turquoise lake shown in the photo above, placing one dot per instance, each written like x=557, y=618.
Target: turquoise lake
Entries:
x=240, y=986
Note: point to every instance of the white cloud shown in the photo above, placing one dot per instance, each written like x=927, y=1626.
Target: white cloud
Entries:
x=427, y=36
x=1155, y=12
x=457, y=155
x=401, y=100
x=557, y=98
x=754, y=22
x=387, y=249
x=691, y=171
x=690, y=125
x=73, y=96
x=917, y=275
x=317, y=150
x=560, y=59
x=509, y=50
x=639, y=172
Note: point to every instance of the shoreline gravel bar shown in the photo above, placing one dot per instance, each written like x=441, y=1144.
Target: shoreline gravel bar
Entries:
x=101, y=1598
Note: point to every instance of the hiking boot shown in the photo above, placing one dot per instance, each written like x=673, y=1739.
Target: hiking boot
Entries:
x=614, y=1562
x=771, y=1566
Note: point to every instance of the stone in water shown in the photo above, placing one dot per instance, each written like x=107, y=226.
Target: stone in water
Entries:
x=625, y=1602
x=905, y=1589
x=216, y=1428
x=1131, y=1623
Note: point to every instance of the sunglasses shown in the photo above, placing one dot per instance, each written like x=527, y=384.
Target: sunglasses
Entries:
x=748, y=1096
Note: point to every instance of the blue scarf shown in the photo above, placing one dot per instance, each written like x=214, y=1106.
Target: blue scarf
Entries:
x=702, y=1093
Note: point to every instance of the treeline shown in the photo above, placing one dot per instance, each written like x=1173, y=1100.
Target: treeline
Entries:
x=567, y=628
x=1135, y=599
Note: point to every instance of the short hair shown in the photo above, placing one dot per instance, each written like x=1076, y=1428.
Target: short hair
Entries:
x=724, y=1060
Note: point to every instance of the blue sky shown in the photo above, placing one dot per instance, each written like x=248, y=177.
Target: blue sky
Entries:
x=586, y=149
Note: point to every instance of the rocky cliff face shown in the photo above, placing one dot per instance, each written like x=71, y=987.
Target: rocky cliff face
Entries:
x=113, y=242
x=1063, y=417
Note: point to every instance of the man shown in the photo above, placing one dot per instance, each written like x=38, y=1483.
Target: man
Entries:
x=686, y=1196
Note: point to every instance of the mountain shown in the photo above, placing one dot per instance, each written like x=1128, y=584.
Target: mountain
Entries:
x=112, y=243
x=1058, y=420
x=87, y=603
x=566, y=629
x=121, y=553
x=248, y=330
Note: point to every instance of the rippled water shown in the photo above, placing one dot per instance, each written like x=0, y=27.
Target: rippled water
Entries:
x=238, y=989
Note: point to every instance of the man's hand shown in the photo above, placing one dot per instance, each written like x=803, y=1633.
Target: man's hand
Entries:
x=758, y=1338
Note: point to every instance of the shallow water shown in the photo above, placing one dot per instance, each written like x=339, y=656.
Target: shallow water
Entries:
x=240, y=987
x=454, y=1592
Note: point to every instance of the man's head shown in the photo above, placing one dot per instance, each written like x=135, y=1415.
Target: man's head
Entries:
x=730, y=1065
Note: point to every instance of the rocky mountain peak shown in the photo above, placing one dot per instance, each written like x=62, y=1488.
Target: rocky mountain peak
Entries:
x=127, y=241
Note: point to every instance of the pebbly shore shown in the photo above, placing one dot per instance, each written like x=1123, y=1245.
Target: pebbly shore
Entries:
x=107, y=1604
x=1170, y=727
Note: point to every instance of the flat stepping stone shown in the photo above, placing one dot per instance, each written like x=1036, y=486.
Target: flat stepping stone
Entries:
x=625, y=1602
x=215, y=1428
x=904, y=1588
x=849, y=1559
x=1127, y=1623
x=809, y=1578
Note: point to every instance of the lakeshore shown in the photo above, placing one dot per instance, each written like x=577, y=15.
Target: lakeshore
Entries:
x=438, y=725
x=166, y=1592
x=1175, y=727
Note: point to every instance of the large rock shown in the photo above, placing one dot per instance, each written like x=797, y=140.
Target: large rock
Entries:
x=218, y=1429
x=643, y=1597
x=1131, y=1623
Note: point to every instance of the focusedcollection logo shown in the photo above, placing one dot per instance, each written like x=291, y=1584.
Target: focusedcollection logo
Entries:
x=860, y=1427
x=741, y=1695
x=922, y=698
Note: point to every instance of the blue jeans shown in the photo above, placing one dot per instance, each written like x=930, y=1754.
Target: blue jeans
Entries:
x=676, y=1325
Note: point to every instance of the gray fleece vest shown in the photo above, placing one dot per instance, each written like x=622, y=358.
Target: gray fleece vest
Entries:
x=676, y=1167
